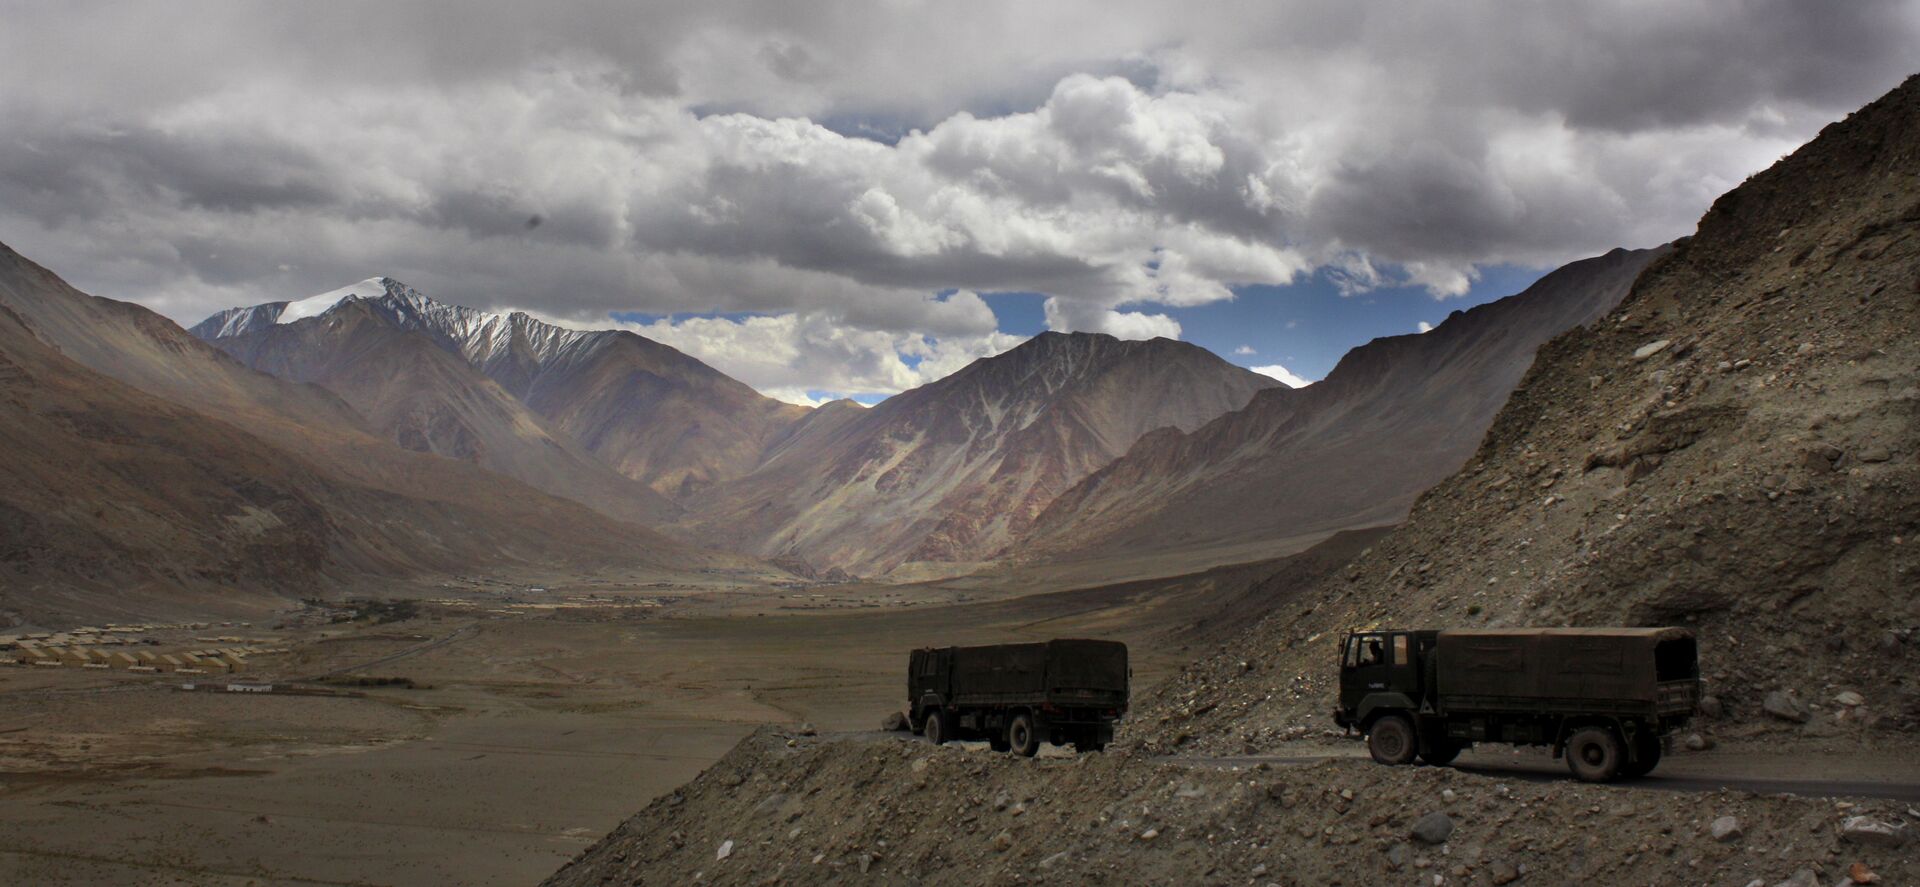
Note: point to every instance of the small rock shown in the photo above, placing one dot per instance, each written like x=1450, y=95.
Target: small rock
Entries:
x=1726, y=828
x=1858, y=873
x=1650, y=349
x=726, y=849
x=807, y=729
x=1786, y=706
x=1874, y=453
x=894, y=722
x=1433, y=828
x=866, y=862
x=1150, y=834
x=1698, y=742
x=1003, y=842
x=1504, y=873
x=1397, y=856
x=1865, y=830
x=1889, y=642
x=1849, y=698
x=1447, y=795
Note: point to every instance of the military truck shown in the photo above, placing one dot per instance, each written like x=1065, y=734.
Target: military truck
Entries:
x=1604, y=698
x=1015, y=696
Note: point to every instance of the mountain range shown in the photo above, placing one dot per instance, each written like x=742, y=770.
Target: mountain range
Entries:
x=146, y=467
x=412, y=437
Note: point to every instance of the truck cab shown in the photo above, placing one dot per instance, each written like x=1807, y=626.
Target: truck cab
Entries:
x=1381, y=670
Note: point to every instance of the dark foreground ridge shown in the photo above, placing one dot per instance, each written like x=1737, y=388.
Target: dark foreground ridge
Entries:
x=783, y=809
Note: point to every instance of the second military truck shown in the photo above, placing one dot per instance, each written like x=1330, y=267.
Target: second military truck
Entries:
x=1605, y=698
x=1016, y=696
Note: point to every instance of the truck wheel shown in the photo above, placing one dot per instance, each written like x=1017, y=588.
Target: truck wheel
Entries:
x=1390, y=740
x=1647, y=756
x=1441, y=751
x=1088, y=741
x=1594, y=755
x=936, y=727
x=1020, y=736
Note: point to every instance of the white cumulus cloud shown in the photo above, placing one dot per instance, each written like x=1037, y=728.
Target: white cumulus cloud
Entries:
x=1283, y=374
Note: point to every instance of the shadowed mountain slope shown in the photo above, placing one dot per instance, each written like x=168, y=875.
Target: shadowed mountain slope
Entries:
x=1394, y=417
x=130, y=436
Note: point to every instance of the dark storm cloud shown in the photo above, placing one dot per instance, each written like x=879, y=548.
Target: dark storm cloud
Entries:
x=1115, y=156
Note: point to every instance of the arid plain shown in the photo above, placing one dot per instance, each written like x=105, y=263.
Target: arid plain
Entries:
x=537, y=719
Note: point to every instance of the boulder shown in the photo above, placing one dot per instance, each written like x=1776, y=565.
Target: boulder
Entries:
x=1433, y=828
x=1697, y=742
x=1870, y=831
x=1726, y=828
x=894, y=722
x=1710, y=707
x=1786, y=706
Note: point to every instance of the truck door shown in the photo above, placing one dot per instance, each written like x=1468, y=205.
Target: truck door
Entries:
x=1363, y=669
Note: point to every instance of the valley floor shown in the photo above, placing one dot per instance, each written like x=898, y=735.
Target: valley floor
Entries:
x=538, y=721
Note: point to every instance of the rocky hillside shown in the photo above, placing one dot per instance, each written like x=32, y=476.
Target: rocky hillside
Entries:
x=1735, y=448
x=150, y=473
x=953, y=471
x=1395, y=417
x=807, y=810
x=610, y=391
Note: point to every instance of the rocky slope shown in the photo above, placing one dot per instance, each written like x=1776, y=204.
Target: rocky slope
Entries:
x=148, y=467
x=427, y=399
x=1393, y=418
x=806, y=810
x=649, y=411
x=951, y=472
x=1735, y=448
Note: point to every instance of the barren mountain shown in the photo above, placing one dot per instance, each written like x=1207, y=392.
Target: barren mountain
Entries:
x=952, y=471
x=651, y=412
x=1394, y=417
x=428, y=399
x=1736, y=447
x=150, y=468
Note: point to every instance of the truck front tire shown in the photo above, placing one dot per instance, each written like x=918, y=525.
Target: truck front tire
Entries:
x=1390, y=740
x=1594, y=754
x=935, y=728
x=1021, y=737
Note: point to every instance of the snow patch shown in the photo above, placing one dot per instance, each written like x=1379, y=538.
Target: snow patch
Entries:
x=314, y=306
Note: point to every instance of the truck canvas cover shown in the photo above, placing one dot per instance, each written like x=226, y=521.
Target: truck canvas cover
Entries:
x=1561, y=663
x=1023, y=670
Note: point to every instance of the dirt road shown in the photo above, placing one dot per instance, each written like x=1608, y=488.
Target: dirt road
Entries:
x=1852, y=775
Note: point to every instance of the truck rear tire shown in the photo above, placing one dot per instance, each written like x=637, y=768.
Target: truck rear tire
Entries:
x=936, y=727
x=1440, y=751
x=1594, y=754
x=1646, y=756
x=1390, y=740
x=1021, y=737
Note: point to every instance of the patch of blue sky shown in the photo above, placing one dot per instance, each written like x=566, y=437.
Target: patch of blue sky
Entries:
x=1307, y=326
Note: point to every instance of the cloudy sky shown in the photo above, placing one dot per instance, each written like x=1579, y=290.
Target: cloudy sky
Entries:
x=856, y=197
